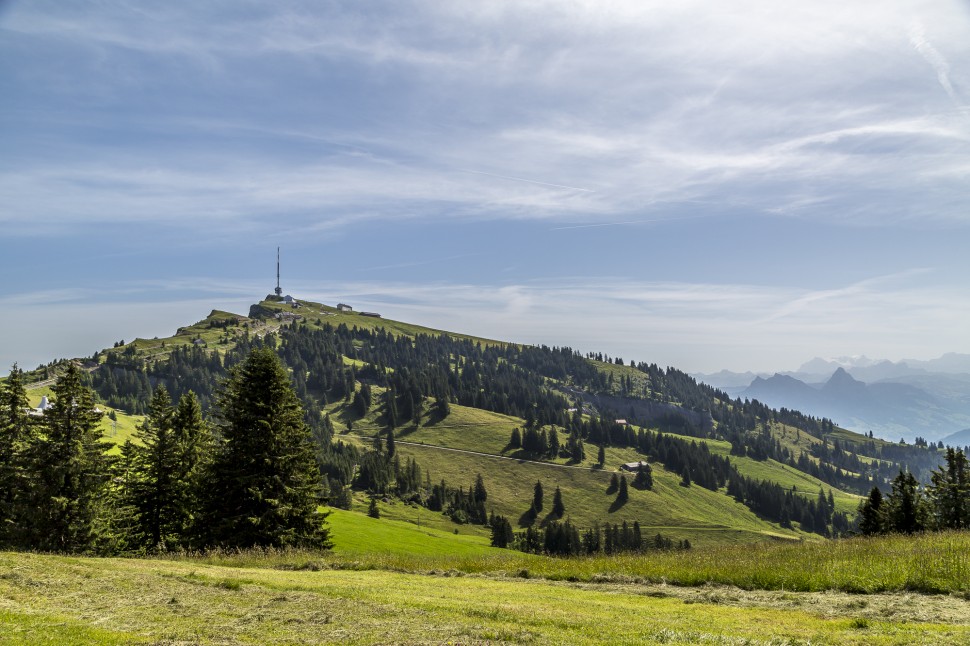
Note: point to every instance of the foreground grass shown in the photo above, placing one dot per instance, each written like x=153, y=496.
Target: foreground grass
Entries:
x=65, y=600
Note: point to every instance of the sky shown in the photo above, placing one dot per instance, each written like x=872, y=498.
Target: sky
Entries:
x=708, y=186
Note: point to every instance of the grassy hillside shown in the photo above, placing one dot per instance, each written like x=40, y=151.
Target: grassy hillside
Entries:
x=472, y=440
x=702, y=516
x=693, y=513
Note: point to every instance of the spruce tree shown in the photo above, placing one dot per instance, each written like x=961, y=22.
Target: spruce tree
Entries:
x=644, y=477
x=479, y=493
x=155, y=481
x=949, y=492
x=558, y=508
x=442, y=406
x=905, y=509
x=263, y=486
x=624, y=493
x=70, y=470
x=537, y=497
x=168, y=459
x=15, y=434
x=195, y=442
x=871, y=514
x=601, y=455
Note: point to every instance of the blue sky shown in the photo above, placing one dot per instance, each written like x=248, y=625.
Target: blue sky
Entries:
x=742, y=186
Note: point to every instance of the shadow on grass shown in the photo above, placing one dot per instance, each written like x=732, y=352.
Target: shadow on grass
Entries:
x=617, y=504
x=528, y=518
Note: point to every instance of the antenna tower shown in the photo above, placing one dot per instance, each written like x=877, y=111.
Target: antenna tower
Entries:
x=279, y=290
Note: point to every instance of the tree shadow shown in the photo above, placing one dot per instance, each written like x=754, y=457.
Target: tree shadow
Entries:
x=549, y=518
x=434, y=416
x=617, y=504
x=528, y=518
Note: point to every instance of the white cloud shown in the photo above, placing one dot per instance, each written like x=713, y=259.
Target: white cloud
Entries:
x=636, y=105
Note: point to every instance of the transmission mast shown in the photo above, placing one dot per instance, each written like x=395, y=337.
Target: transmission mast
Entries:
x=279, y=290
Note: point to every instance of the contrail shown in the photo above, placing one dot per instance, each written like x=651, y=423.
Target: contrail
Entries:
x=530, y=181
x=917, y=37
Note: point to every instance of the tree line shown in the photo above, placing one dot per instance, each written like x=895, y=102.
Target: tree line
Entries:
x=249, y=479
x=910, y=507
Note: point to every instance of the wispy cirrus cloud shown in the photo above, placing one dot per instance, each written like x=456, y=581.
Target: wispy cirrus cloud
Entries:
x=697, y=163
x=811, y=111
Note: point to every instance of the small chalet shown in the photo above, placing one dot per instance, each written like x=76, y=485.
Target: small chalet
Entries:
x=371, y=314
x=343, y=307
x=621, y=422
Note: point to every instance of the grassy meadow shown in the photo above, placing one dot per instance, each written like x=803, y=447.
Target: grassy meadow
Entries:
x=396, y=582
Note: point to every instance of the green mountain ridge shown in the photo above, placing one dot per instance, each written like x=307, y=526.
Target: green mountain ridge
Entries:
x=725, y=471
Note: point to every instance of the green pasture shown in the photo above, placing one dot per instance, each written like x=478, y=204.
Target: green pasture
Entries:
x=498, y=597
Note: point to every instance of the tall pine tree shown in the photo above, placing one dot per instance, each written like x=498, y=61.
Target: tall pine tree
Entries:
x=949, y=492
x=263, y=486
x=69, y=468
x=15, y=433
x=167, y=461
x=155, y=479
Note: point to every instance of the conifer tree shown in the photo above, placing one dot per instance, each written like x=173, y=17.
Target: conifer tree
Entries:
x=360, y=404
x=553, y=443
x=15, y=434
x=871, y=514
x=644, y=477
x=70, y=470
x=391, y=450
x=390, y=409
x=155, y=481
x=601, y=455
x=479, y=493
x=624, y=493
x=167, y=463
x=558, y=508
x=263, y=487
x=906, y=512
x=418, y=413
x=949, y=492
x=194, y=439
x=502, y=534
x=373, y=510
x=442, y=405
x=537, y=497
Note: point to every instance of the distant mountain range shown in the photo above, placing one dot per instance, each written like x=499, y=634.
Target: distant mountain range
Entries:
x=905, y=399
